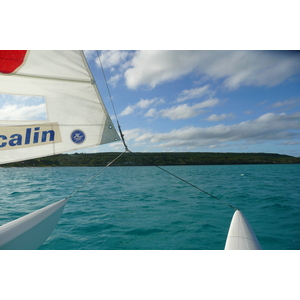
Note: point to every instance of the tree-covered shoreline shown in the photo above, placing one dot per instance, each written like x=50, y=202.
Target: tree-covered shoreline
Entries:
x=163, y=159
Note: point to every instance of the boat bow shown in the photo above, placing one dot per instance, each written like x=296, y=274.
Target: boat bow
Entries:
x=240, y=235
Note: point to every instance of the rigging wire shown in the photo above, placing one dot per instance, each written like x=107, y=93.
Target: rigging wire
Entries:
x=100, y=171
x=122, y=137
x=128, y=151
x=113, y=106
x=192, y=185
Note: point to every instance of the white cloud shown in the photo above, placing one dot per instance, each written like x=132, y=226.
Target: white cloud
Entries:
x=114, y=79
x=270, y=117
x=179, y=112
x=127, y=111
x=193, y=93
x=115, y=60
x=145, y=103
x=154, y=67
x=22, y=107
x=185, y=111
x=287, y=103
x=90, y=54
x=20, y=99
x=270, y=127
x=208, y=103
x=142, y=104
x=151, y=113
x=235, y=68
x=23, y=112
x=216, y=118
x=112, y=58
x=134, y=134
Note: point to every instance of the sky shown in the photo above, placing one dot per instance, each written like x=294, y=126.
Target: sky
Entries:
x=193, y=101
x=203, y=101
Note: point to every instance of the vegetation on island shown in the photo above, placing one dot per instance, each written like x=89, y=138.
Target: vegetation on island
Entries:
x=162, y=159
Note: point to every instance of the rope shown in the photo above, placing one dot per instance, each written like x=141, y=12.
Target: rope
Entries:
x=192, y=185
x=95, y=175
x=196, y=187
x=113, y=106
x=127, y=150
x=121, y=133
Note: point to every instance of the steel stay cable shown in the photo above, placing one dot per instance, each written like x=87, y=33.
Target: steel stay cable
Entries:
x=95, y=175
x=112, y=103
x=128, y=151
x=122, y=136
x=192, y=185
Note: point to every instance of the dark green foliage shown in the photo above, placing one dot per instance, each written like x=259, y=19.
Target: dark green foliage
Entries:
x=165, y=158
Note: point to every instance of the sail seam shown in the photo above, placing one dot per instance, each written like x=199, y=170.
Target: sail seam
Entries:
x=45, y=123
x=55, y=78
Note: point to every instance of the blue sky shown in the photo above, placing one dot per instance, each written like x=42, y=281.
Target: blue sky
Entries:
x=198, y=101
x=208, y=101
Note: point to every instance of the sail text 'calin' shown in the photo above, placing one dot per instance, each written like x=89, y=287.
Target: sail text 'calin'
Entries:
x=29, y=136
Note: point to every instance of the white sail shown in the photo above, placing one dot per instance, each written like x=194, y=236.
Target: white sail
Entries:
x=76, y=118
x=240, y=234
x=76, y=115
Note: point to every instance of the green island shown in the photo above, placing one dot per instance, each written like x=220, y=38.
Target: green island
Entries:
x=151, y=158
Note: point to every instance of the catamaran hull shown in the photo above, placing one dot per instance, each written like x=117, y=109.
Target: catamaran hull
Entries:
x=31, y=231
x=240, y=234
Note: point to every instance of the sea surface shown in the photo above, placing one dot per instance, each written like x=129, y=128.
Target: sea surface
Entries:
x=144, y=208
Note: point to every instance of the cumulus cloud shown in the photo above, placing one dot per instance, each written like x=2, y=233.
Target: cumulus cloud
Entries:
x=90, y=54
x=185, y=111
x=133, y=133
x=269, y=126
x=22, y=107
x=142, y=104
x=177, y=112
x=113, y=80
x=287, y=104
x=115, y=60
x=193, y=93
x=235, y=68
x=151, y=113
x=112, y=58
x=23, y=112
x=154, y=67
x=145, y=103
x=216, y=118
x=128, y=110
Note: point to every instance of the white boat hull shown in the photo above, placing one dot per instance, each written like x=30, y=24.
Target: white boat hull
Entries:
x=31, y=231
x=240, y=234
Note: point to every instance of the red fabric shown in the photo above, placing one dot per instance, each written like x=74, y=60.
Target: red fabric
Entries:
x=10, y=60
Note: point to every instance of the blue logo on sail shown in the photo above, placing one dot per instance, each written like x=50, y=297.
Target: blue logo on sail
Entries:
x=78, y=136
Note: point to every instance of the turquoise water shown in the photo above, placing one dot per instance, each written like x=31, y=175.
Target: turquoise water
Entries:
x=145, y=208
